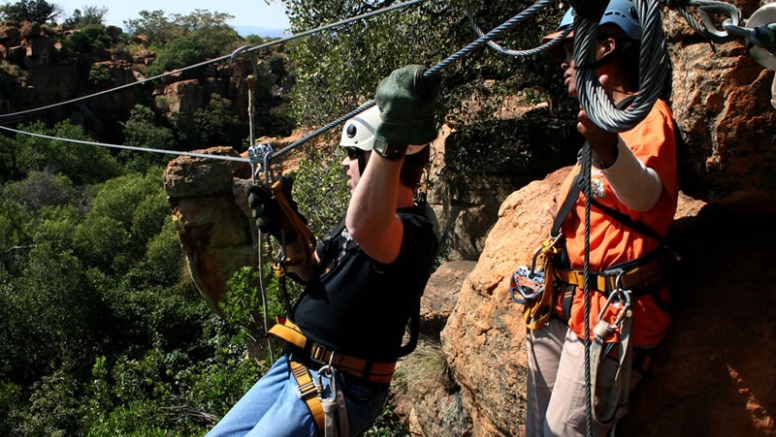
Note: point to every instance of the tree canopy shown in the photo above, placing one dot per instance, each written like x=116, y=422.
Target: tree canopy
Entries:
x=36, y=11
x=338, y=69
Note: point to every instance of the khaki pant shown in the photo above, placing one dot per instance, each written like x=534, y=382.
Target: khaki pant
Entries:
x=556, y=383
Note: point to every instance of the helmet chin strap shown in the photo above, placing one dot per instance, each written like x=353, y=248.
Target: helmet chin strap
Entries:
x=361, y=163
x=619, y=48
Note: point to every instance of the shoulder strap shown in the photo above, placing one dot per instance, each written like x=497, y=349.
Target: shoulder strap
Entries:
x=412, y=343
x=568, y=203
x=627, y=221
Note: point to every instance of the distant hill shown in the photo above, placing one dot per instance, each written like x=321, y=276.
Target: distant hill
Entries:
x=244, y=31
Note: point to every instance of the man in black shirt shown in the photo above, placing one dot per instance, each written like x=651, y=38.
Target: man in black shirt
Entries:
x=363, y=282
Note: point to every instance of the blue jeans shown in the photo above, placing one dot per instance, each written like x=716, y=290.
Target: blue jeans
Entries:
x=273, y=409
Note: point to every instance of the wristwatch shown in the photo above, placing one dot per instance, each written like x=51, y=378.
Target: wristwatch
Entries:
x=391, y=152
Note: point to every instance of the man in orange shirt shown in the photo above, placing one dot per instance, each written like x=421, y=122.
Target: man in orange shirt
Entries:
x=634, y=189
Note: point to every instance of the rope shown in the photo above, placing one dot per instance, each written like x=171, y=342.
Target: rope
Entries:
x=587, y=168
x=222, y=58
x=654, y=71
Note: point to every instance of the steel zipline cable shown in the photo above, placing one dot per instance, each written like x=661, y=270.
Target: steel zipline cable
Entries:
x=118, y=146
x=509, y=52
x=222, y=58
x=461, y=54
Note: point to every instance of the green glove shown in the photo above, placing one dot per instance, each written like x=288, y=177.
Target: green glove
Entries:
x=407, y=102
x=269, y=216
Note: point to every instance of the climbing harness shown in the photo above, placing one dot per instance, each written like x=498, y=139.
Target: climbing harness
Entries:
x=307, y=391
x=368, y=370
x=330, y=413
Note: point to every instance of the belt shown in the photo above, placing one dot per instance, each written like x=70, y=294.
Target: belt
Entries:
x=649, y=273
x=373, y=371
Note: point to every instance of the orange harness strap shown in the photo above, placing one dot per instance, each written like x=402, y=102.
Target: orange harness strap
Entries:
x=305, y=234
x=633, y=279
x=308, y=392
x=374, y=371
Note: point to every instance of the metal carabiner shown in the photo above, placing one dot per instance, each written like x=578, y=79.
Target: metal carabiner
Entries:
x=550, y=245
x=327, y=371
x=721, y=8
x=760, y=34
x=259, y=155
x=620, y=295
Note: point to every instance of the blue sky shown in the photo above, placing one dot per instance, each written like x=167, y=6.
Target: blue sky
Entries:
x=255, y=13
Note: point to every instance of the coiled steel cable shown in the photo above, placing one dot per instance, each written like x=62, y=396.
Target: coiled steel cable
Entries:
x=653, y=60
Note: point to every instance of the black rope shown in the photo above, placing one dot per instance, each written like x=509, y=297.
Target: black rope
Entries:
x=587, y=161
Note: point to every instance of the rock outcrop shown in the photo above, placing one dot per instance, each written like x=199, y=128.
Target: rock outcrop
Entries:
x=721, y=102
x=714, y=376
x=214, y=232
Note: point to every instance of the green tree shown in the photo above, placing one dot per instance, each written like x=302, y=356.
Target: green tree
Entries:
x=81, y=163
x=218, y=125
x=338, y=70
x=40, y=190
x=126, y=212
x=100, y=77
x=208, y=32
x=154, y=25
x=90, y=38
x=90, y=15
x=37, y=11
x=180, y=53
x=145, y=129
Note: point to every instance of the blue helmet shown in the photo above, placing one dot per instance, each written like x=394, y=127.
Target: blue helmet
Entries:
x=621, y=13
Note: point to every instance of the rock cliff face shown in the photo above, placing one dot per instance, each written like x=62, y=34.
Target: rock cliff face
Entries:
x=713, y=376
x=715, y=371
x=47, y=73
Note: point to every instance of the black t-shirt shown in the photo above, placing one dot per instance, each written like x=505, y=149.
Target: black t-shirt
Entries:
x=358, y=306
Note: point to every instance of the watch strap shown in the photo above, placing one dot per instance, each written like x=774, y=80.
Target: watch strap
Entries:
x=391, y=152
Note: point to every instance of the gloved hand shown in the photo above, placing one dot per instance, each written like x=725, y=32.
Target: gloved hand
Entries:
x=407, y=102
x=270, y=217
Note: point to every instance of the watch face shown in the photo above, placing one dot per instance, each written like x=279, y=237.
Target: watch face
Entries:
x=379, y=146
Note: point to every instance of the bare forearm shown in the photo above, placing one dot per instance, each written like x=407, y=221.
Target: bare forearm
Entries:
x=635, y=185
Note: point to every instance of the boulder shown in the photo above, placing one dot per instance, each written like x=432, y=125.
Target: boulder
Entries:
x=215, y=233
x=711, y=380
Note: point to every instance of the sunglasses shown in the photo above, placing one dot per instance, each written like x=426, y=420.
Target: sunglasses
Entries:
x=354, y=152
